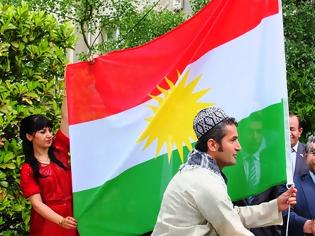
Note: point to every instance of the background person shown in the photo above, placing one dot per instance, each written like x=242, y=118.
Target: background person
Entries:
x=303, y=214
x=297, y=148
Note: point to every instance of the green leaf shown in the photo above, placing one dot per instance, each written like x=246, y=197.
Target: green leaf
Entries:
x=8, y=157
x=2, y=175
x=4, y=184
x=7, y=165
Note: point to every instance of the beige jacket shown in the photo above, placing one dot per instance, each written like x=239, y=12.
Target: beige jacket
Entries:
x=196, y=203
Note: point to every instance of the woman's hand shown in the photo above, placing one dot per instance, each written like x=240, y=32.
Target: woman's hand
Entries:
x=46, y=212
x=68, y=223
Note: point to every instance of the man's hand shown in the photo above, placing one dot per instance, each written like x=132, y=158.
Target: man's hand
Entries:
x=287, y=198
x=309, y=227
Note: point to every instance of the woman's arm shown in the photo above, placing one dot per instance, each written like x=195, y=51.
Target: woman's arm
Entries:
x=1, y=142
x=64, y=126
x=46, y=212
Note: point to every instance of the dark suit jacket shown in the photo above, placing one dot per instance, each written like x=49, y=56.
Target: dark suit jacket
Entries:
x=300, y=164
x=265, y=196
x=305, y=207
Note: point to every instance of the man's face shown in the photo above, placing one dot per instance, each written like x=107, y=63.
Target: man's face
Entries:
x=225, y=154
x=310, y=160
x=295, y=131
x=255, y=136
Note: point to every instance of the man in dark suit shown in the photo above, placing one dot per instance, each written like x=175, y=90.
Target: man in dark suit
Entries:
x=302, y=216
x=265, y=196
x=298, y=149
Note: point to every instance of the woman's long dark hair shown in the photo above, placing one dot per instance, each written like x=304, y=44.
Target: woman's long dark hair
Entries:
x=30, y=125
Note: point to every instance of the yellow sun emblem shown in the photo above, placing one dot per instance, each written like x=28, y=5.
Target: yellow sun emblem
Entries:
x=171, y=123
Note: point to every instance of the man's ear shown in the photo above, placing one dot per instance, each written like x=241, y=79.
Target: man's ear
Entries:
x=212, y=145
x=301, y=130
x=29, y=137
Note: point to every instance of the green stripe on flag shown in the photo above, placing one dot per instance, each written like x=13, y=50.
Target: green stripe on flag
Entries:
x=266, y=125
x=129, y=204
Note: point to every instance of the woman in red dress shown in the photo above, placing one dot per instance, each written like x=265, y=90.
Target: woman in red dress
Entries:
x=46, y=176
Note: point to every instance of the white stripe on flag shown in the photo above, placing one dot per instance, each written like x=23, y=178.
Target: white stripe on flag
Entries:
x=248, y=73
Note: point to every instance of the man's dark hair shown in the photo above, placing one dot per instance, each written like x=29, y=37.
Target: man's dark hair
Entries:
x=216, y=133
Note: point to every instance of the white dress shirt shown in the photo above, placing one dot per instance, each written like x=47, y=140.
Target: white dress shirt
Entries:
x=293, y=156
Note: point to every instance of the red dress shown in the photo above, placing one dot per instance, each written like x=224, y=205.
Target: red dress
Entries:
x=55, y=189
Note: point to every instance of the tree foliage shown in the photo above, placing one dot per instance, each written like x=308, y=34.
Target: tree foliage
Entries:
x=32, y=61
x=299, y=29
x=197, y=5
x=138, y=27
x=115, y=24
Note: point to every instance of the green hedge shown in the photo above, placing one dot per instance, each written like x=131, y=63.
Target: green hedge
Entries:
x=32, y=62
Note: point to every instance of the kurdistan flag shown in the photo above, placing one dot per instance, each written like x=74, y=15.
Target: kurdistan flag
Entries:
x=131, y=112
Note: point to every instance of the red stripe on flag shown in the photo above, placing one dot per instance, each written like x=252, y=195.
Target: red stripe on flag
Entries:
x=123, y=79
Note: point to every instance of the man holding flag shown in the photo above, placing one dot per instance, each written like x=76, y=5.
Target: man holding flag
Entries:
x=196, y=201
